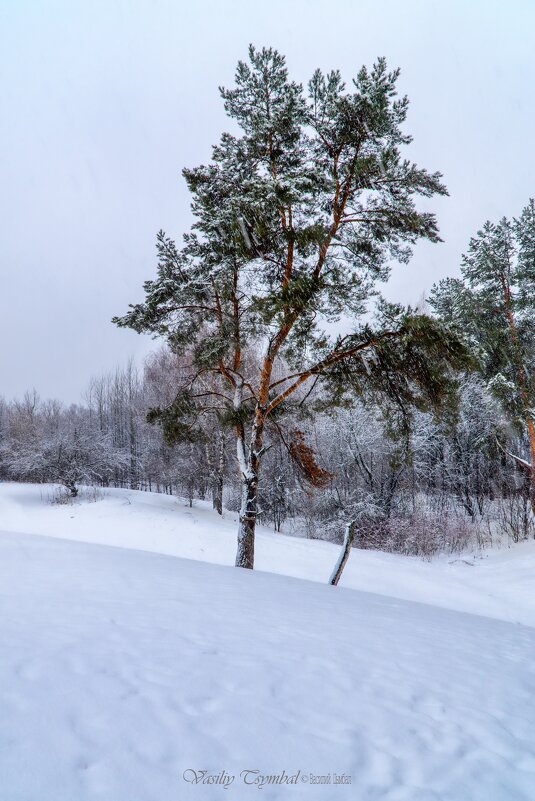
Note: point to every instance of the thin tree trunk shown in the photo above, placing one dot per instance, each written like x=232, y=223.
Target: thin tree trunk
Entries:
x=527, y=467
x=218, y=477
x=344, y=553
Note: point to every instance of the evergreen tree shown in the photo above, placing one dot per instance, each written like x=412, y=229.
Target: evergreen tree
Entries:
x=494, y=303
x=296, y=219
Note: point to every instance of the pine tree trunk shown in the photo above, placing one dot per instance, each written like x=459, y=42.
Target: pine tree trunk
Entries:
x=531, y=433
x=523, y=383
x=247, y=524
x=249, y=462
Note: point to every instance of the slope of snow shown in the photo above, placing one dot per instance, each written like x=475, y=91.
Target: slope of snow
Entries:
x=499, y=585
x=122, y=670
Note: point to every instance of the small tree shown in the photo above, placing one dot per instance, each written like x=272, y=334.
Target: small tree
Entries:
x=296, y=218
x=46, y=442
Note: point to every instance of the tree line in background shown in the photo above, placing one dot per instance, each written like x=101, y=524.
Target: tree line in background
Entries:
x=445, y=484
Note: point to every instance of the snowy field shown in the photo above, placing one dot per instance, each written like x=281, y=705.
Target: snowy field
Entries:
x=124, y=669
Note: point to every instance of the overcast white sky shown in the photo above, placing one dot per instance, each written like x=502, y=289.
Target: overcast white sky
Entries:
x=104, y=101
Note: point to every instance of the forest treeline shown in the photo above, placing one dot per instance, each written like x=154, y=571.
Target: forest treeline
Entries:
x=443, y=485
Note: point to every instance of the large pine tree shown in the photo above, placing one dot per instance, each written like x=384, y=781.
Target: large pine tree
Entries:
x=297, y=216
x=494, y=302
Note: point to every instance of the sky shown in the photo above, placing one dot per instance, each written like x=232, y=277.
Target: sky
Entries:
x=103, y=102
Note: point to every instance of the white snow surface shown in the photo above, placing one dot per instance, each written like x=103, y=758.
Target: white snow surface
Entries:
x=122, y=669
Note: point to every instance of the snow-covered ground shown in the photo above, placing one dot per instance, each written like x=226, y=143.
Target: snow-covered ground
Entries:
x=499, y=584
x=122, y=670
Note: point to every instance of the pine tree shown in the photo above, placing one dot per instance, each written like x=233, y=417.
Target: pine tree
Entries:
x=296, y=219
x=495, y=304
